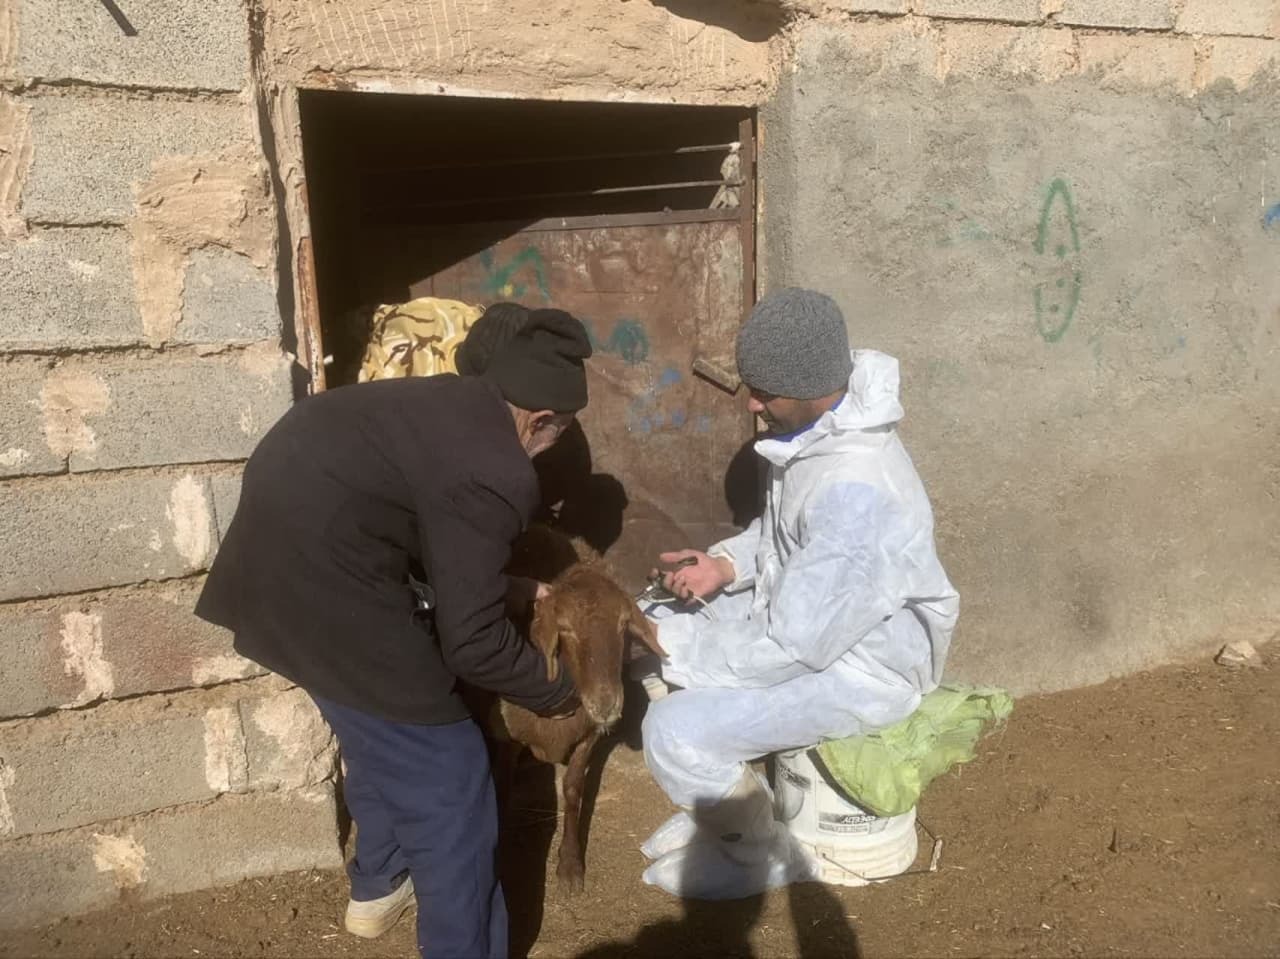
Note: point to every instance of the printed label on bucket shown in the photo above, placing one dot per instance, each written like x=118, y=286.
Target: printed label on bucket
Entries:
x=850, y=824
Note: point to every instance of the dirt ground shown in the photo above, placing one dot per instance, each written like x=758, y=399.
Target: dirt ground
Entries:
x=1138, y=818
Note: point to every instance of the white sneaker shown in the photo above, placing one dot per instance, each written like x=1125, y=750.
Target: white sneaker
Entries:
x=372, y=917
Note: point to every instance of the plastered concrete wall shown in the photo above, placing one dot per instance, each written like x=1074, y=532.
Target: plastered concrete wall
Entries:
x=1067, y=227
x=140, y=348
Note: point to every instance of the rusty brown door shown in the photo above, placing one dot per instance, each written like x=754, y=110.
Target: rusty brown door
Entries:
x=655, y=292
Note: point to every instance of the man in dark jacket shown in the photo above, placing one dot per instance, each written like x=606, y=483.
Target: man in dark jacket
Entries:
x=365, y=563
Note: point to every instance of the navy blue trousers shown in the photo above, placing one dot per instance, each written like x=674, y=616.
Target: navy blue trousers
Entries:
x=423, y=802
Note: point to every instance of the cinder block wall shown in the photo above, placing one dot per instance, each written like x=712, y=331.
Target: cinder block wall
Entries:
x=140, y=334
x=1064, y=219
x=141, y=359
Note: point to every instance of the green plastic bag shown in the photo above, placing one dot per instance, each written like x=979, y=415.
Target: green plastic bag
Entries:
x=885, y=772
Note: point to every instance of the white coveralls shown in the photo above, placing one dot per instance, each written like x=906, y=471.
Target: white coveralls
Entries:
x=837, y=623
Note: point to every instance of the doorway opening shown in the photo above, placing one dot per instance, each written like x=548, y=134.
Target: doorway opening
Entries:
x=636, y=218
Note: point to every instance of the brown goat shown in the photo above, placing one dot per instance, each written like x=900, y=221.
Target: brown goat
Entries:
x=585, y=621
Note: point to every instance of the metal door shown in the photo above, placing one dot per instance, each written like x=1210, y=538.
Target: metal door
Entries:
x=655, y=292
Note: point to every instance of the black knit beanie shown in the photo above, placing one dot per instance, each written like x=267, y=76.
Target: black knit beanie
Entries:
x=540, y=368
x=495, y=328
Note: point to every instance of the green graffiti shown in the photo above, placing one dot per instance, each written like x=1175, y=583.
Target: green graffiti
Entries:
x=964, y=229
x=1055, y=307
x=1095, y=347
x=627, y=339
x=503, y=282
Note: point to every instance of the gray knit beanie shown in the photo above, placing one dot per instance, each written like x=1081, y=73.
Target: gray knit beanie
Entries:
x=795, y=344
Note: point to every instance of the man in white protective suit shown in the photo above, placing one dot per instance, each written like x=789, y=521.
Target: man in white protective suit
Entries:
x=829, y=616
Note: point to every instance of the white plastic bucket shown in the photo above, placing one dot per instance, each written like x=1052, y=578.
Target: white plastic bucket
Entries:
x=847, y=845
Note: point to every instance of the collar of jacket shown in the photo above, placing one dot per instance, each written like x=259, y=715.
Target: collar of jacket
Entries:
x=871, y=403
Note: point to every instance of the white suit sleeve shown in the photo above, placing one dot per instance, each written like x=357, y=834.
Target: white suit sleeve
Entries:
x=844, y=580
x=741, y=551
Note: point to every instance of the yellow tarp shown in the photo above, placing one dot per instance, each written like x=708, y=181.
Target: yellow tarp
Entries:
x=418, y=338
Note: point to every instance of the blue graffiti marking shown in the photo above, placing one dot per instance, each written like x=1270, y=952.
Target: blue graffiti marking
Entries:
x=643, y=415
x=627, y=339
x=1271, y=219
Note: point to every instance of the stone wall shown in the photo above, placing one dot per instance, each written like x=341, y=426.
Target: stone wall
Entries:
x=1064, y=219
x=717, y=53
x=140, y=348
x=152, y=223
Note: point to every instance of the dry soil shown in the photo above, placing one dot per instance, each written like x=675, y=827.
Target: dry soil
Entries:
x=1137, y=818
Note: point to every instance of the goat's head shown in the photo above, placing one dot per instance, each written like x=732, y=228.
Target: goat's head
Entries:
x=587, y=621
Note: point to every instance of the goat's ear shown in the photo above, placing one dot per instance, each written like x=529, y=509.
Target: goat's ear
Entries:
x=645, y=631
x=545, y=634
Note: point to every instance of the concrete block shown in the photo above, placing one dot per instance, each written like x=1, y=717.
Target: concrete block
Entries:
x=287, y=744
x=110, y=645
x=47, y=877
x=89, y=154
x=226, y=497
x=1009, y=11
x=201, y=44
x=1133, y=14
x=43, y=878
x=71, y=534
x=192, y=211
x=866, y=6
x=1120, y=62
x=1247, y=18
x=35, y=673
x=674, y=55
x=997, y=52
x=15, y=156
x=23, y=449
x=70, y=769
x=881, y=46
x=226, y=299
x=163, y=411
x=156, y=642
x=66, y=770
x=1237, y=59
x=238, y=837
x=68, y=288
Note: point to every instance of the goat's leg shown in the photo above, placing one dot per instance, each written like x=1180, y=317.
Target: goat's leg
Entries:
x=571, y=866
x=506, y=756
